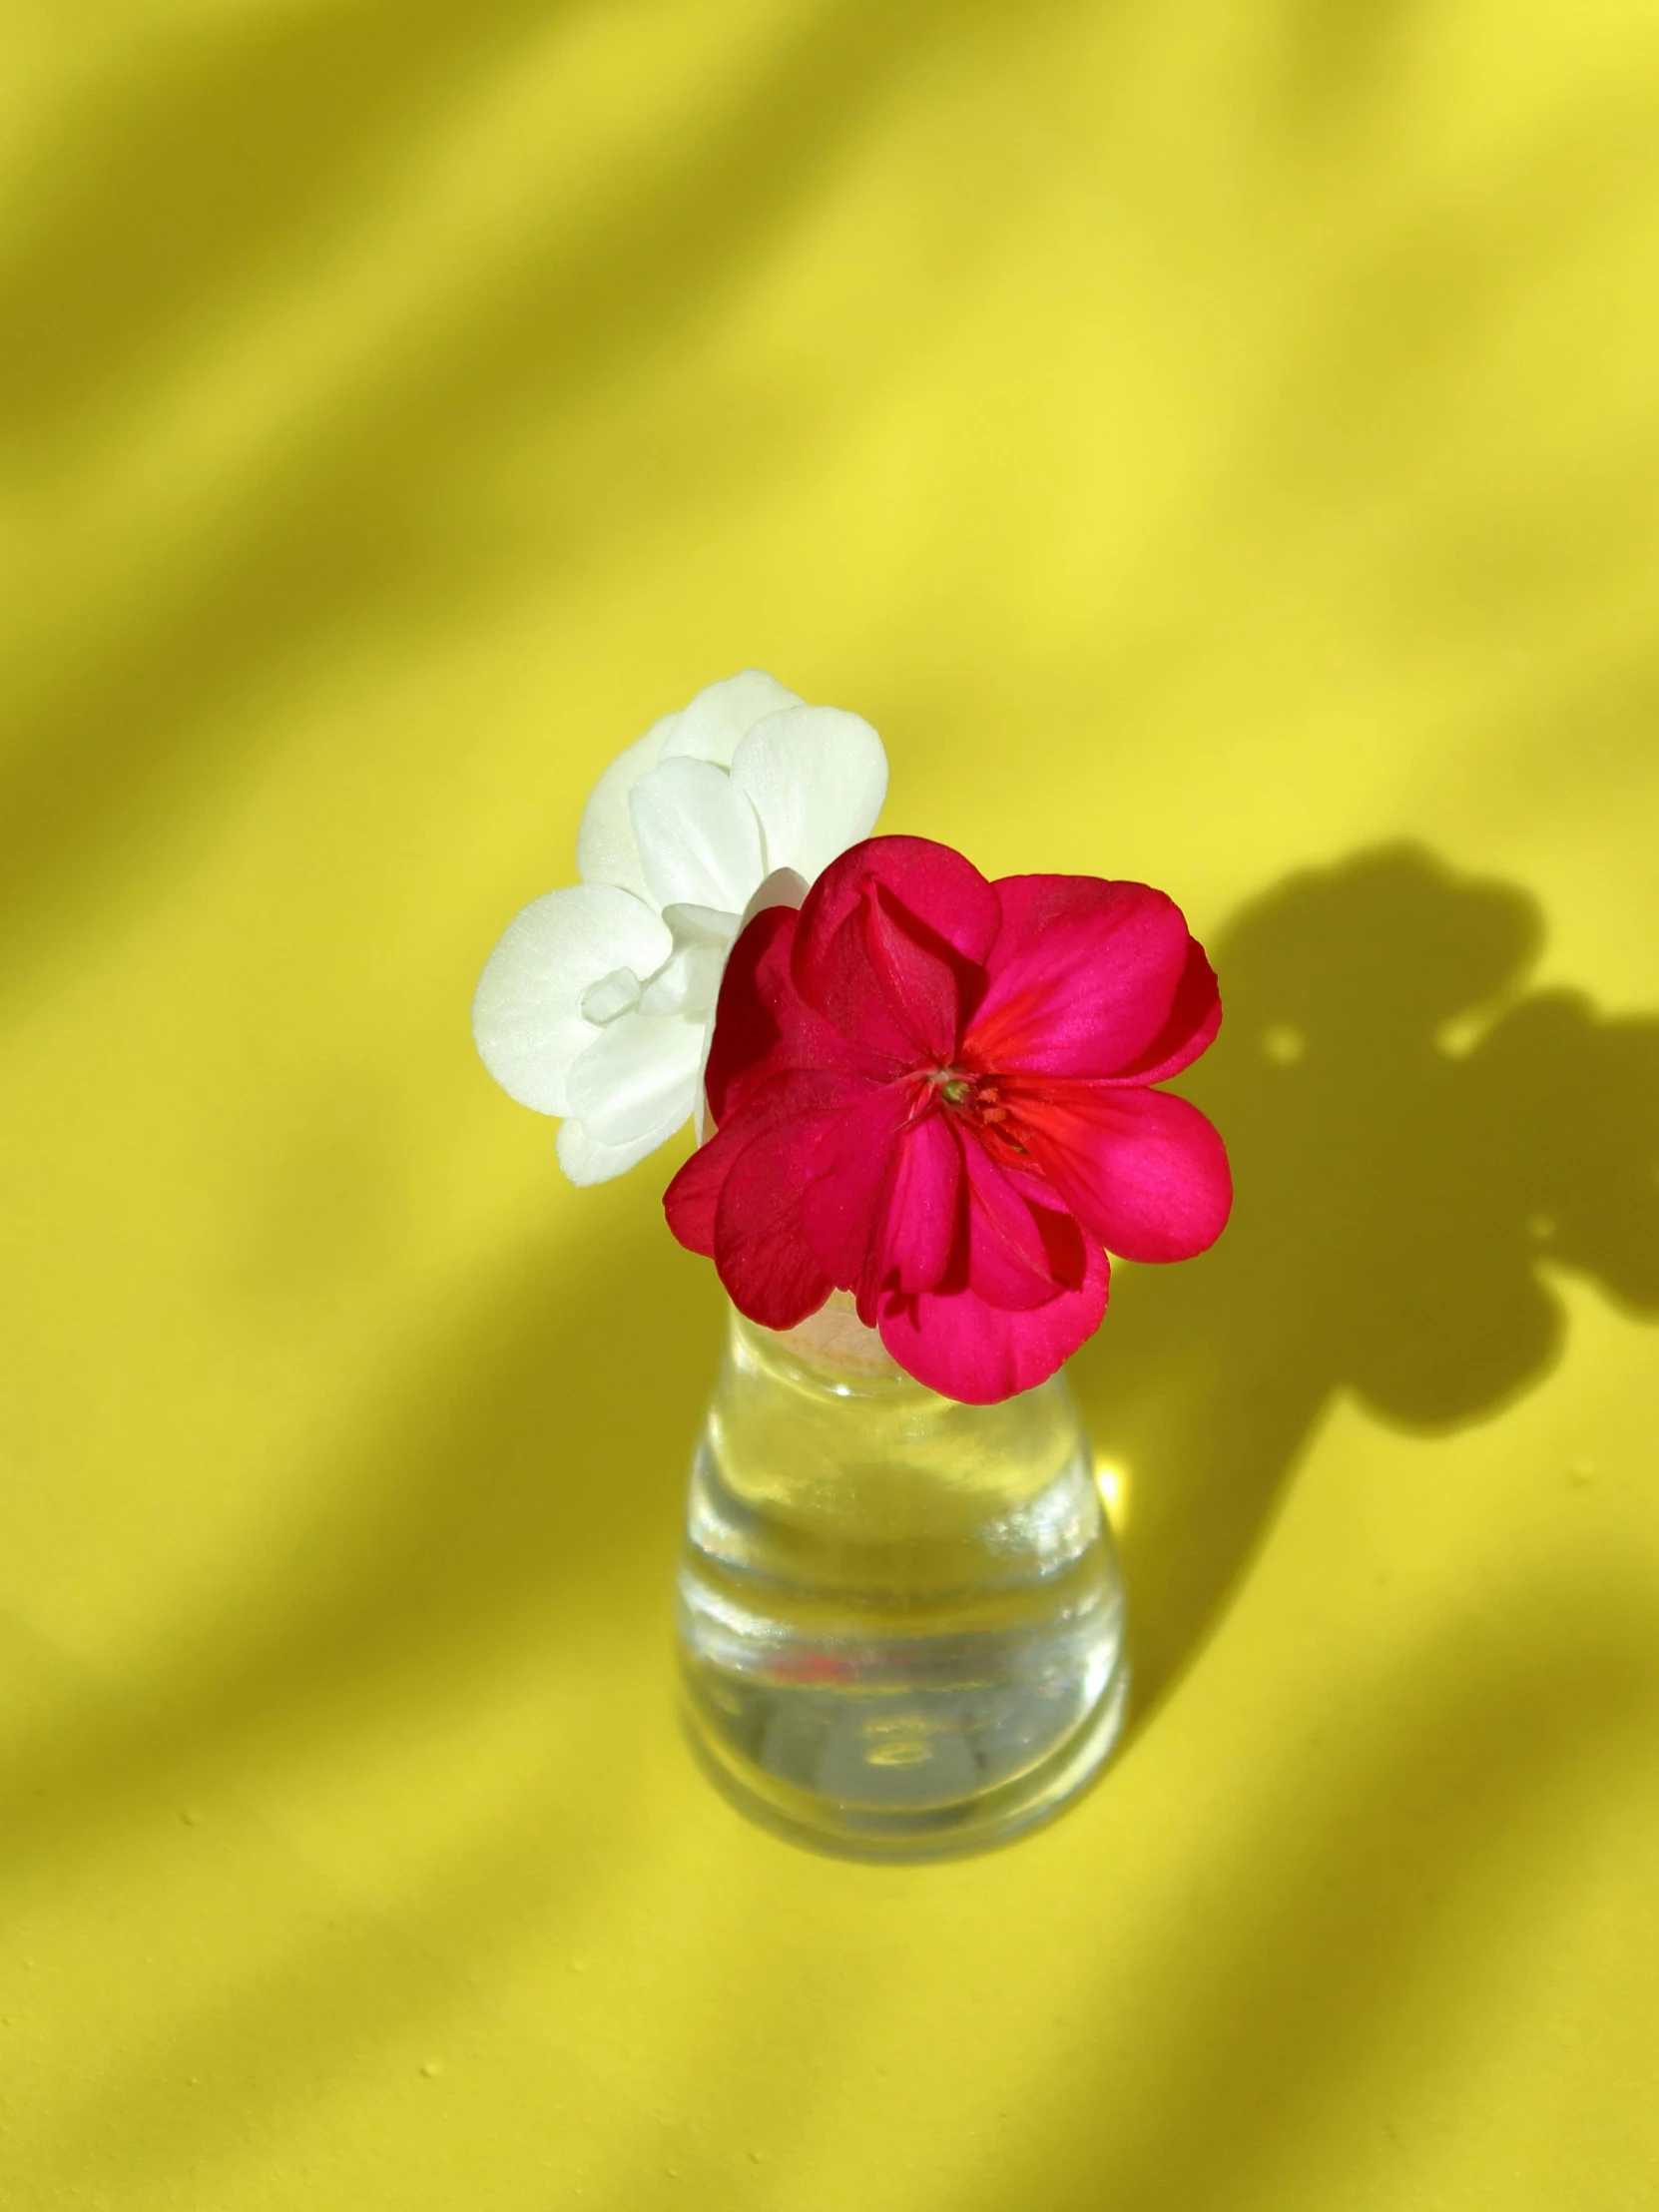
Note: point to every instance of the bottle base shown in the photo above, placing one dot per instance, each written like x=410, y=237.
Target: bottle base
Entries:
x=913, y=1825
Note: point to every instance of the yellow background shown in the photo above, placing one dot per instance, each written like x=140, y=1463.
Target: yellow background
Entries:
x=1213, y=440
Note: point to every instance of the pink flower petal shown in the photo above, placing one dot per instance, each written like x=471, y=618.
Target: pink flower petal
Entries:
x=958, y=1343
x=847, y=993
x=692, y=1196
x=761, y=1248
x=1144, y=1172
x=845, y=1197
x=923, y=1214
x=764, y=1026
x=692, y=1200
x=1191, y=1028
x=938, y=889
x=924, y=983
x=1083, y=977
x=1007, y=1257
x=746, y=1027
x=882, y=1207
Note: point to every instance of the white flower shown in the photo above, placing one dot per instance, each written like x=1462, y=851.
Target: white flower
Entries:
x=598, y=1004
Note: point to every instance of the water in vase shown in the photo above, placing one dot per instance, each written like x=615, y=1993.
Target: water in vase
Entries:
x=900, y=1618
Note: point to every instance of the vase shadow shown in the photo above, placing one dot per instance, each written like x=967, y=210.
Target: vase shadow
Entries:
x=1417, y=1141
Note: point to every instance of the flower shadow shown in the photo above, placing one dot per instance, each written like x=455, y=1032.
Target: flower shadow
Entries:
x=1417, y=1141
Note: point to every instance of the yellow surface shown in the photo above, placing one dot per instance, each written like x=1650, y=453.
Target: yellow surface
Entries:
x=1212, y=440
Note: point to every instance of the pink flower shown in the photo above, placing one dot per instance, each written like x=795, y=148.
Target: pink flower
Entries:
x=936, y=1091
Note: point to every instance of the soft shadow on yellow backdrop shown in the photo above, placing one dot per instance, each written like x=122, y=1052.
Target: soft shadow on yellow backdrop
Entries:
x=1214, y=442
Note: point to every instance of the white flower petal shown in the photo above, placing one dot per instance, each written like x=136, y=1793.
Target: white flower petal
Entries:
x=699, y=840
x=710, y=728
x=700, y=925
x=526, y=1013
x=699, y=1113
x=605, y=848
x=782, y=887
x=613, y=994
x=636, y=1075
x=817, y=778
x=689, y=985
x=585, y=1160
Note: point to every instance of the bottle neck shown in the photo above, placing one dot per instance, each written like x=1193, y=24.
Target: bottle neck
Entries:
x=836, y=1341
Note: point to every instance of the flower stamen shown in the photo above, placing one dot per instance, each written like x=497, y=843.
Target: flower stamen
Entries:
x=976, y=1099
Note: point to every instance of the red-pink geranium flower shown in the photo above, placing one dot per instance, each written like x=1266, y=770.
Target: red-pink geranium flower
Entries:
x=936, y=1091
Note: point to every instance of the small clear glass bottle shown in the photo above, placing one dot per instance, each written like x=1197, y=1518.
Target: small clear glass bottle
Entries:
x=900, y=1618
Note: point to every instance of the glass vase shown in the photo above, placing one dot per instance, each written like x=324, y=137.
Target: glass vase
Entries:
x=900, y=1618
